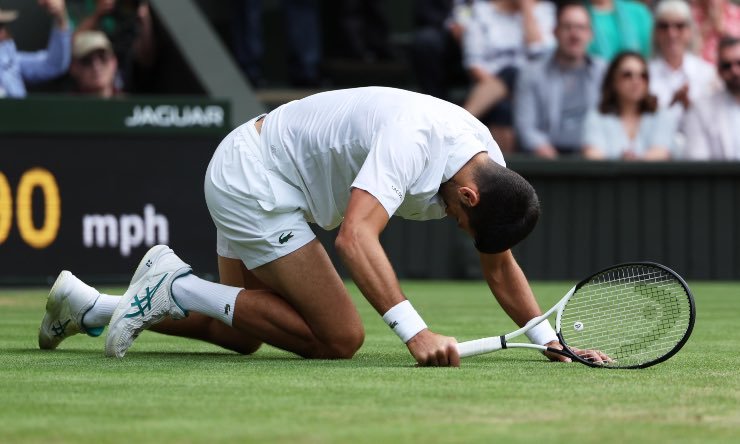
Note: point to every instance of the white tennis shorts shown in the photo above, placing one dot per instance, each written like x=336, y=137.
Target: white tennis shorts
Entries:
x=259, y=217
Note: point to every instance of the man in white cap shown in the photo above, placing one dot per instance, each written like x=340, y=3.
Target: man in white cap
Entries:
x=678, y=77
x=94, y=64
x=18, y=68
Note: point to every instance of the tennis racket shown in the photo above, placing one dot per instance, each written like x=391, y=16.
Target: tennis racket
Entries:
x=637, y=314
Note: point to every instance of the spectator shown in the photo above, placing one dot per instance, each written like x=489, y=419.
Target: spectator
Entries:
x=553, y=95
x=129, y=27
x=711, y=125
x=436, y=50
x=500, y=37
x=678, y=77
x=303, y=36
x=18, y=68
x=620, y=25
x=715, y=19
x=94, y=65
x=627, y=124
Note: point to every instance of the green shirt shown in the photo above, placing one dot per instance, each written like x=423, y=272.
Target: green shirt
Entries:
x=628, y=26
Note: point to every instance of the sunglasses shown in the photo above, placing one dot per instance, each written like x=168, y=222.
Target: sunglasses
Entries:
x=627, y=74
x=728, y=64
x=665, y=26
x=89, y=59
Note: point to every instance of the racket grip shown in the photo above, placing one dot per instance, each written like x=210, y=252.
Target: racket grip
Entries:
x=479, y=346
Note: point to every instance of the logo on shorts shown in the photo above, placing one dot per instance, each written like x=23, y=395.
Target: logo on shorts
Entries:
x=285, y=237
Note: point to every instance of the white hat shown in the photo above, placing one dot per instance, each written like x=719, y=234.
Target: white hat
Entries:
x=673, y=7
x=7, y=16
x=89, y=41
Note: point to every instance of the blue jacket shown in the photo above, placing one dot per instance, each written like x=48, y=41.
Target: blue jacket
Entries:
x=17, y=68
x=539, y=98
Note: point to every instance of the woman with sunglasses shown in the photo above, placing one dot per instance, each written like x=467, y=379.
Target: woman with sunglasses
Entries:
x=627, y=124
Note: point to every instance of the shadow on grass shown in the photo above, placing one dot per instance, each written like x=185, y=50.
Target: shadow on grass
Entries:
x=261, y=357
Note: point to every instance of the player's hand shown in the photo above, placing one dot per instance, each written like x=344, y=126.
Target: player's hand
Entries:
x=431, y=349
x=594, y=356
x=554, y=356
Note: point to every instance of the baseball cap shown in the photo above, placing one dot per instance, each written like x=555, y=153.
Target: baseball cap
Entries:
x=7, y=15
x=89, y=41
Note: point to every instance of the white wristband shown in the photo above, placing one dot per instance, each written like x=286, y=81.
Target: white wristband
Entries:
x=404, y=321
x=541, y=333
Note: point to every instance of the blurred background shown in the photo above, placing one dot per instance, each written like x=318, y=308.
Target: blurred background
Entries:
x=622, y=114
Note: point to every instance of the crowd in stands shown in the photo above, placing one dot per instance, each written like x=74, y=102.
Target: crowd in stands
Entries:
x=103, y=48
x=597, y=79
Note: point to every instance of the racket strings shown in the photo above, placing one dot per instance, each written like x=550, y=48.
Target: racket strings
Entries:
x=633, y=314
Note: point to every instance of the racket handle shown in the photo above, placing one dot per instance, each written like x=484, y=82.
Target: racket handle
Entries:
x=479, y=346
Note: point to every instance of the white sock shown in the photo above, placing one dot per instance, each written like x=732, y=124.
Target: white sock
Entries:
x=209, y=298
x=100, y=313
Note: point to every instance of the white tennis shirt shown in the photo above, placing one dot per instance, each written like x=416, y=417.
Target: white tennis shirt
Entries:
x=397, y=145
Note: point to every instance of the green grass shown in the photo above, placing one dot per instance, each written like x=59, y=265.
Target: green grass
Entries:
x=175, y=390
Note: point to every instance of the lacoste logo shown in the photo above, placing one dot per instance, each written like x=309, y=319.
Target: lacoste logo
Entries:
x=393, y=324
x=226, y=309
x=285, y=237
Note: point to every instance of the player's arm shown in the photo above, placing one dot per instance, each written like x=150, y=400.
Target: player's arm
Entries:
x=358, y=244
x=512, y=291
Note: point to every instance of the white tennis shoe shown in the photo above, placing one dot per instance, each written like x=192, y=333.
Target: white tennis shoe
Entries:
x=148, y=299
x=68, y=302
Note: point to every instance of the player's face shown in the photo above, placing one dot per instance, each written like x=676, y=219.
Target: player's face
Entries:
x=454, y=205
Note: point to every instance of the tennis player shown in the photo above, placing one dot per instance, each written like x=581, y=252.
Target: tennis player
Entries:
x=349, y=158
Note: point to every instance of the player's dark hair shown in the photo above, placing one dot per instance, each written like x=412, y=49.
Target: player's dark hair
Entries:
x=508, y=209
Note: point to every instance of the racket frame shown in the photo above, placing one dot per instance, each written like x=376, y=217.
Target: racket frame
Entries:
x=495, y=343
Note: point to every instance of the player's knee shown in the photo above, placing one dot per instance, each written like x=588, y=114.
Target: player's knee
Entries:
x=350, y=343
x=247, y=346
x=343, y=345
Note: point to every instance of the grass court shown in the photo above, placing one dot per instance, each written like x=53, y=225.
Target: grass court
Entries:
x=176, y=390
